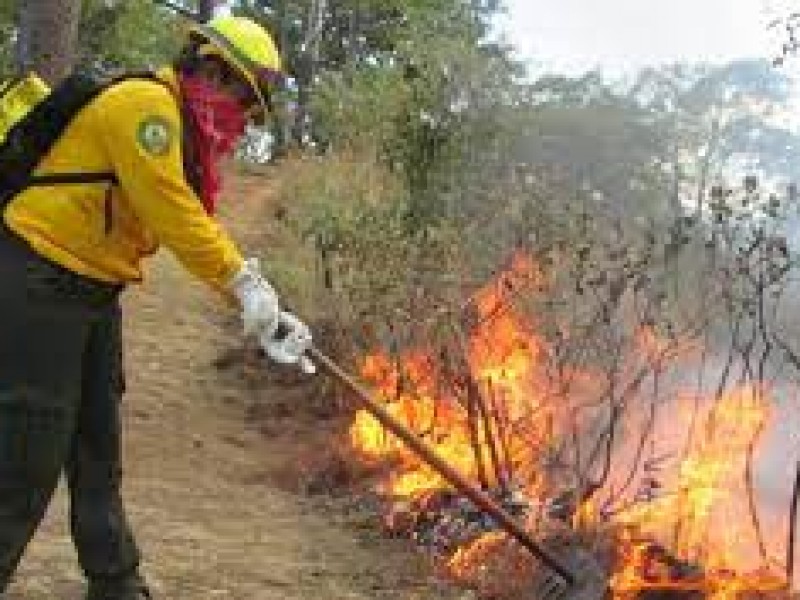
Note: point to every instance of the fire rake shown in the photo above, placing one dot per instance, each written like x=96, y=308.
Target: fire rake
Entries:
x=425, y=452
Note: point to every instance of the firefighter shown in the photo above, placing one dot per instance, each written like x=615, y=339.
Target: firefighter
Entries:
x=66, y=254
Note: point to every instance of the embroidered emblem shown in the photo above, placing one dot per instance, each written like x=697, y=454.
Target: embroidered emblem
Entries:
x=155, y=135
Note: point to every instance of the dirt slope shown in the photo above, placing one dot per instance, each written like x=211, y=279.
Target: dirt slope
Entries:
x=199, y=473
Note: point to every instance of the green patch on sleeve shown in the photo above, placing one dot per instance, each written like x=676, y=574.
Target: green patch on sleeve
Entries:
x=155, y=135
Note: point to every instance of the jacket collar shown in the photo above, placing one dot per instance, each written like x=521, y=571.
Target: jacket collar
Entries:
x=169, y=77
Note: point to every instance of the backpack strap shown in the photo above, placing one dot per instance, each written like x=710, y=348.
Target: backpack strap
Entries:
x=9, y=85
x=107, y=177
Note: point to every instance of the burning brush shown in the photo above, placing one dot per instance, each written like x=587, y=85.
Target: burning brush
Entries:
x=477, y=445
x=649, y=571
x=444, y=521
x=558, y=583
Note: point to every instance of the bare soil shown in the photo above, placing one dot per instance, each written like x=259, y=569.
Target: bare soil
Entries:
x=220, y=464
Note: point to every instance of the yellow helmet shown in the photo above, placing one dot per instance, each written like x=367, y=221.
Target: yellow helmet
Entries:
x=248, y=48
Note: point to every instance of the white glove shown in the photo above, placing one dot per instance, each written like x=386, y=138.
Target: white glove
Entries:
x=289, y=344
x=258, y=301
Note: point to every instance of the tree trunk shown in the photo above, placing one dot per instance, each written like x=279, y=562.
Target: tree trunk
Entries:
x=306, y=69
x=280, y=125
x=48, y=31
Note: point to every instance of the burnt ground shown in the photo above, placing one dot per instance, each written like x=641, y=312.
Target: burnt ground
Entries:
x=228, y=470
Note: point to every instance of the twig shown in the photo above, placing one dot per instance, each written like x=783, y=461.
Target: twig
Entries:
x=478, y=414
x=612, y=429
x=633, y=387
x=503, y=435
x=751, y=496
x=474, y=435
x=462, y=374
x=491, y=442
x=647, y=432
x=751, y=448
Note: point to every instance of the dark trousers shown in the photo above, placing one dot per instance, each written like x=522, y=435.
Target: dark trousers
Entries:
x=61, y=382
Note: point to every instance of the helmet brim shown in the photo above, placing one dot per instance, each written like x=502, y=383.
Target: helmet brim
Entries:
x=262, y=80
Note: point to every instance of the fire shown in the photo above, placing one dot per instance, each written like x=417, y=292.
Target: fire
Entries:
x=700, y=527
x=502, y=354
x=468, y=558
x=497, y=415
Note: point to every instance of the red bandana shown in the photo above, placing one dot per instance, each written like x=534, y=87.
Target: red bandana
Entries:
x=218, y=121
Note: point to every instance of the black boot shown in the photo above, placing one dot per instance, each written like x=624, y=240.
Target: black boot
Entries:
x=132, y=587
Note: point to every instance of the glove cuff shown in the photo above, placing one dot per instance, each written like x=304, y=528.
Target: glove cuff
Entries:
x=248, y=278
x=257, y=299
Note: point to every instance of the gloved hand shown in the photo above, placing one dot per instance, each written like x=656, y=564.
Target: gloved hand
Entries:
x=284, y=337
x=289, y=344
x=258, y=301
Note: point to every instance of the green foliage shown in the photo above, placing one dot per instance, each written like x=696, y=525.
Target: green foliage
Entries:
x=408, y=70
x=420, y=101
x=370, y=271
x=357, y=110
x=482, y=163
x=133, y=34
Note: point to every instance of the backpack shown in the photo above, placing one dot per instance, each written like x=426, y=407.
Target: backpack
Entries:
x=34, y=133
x=17, y=97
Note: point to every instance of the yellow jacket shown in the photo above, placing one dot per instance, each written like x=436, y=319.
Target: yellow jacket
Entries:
x=134, y=129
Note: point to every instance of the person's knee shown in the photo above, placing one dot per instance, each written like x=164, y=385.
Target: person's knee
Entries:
x=34, y=442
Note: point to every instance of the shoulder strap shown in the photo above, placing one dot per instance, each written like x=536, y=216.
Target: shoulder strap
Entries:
x=7, y=86
x=72, y=179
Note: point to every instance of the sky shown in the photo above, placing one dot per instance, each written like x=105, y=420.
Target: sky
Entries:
x=574, y=36
x=620, y=36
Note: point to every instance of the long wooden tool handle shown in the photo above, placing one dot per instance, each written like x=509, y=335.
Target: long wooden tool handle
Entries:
x=480, y=498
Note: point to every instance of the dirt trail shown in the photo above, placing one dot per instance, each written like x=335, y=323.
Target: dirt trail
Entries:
x=199, y=471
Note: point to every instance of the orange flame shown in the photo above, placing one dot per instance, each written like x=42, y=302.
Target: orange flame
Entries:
x=700, y=520
x=502, y=353
x=699, y=517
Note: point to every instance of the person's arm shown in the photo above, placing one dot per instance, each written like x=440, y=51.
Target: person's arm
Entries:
x=142, y=131
x=141, y=126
